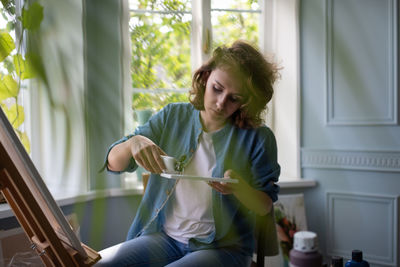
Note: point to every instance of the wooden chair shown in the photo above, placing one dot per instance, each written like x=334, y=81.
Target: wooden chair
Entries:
x=266, y=235
x=266, y=238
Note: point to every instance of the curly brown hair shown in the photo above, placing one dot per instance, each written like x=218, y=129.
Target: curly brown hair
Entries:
x=257, y=76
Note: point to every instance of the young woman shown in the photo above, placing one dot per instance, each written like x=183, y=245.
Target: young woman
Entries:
x=220, y=133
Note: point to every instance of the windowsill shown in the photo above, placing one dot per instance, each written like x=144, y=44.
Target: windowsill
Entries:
x=297, y=183
x=6, y=212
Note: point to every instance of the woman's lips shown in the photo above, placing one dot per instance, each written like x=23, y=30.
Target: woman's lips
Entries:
x=218, y=113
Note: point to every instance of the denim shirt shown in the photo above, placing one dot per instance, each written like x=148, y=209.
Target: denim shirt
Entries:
x=252, y=153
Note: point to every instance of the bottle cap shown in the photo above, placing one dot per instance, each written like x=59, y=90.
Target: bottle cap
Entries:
x=305, y=241
x=356, y=255
x=337, y=261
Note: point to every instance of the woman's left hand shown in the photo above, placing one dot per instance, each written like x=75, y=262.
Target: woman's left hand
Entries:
x=227, y=188
x=255, y=200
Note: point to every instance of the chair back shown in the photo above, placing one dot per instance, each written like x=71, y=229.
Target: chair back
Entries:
x=266, y=237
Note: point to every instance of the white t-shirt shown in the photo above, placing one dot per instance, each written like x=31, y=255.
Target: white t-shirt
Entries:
x=189, y=211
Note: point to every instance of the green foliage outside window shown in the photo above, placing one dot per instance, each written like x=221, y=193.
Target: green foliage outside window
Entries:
x=160, y=52
x=230, y=26
x=156, y=100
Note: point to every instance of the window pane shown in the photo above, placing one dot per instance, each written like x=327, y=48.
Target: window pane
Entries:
x=160, y=50
x=160, y=35
x=240, y=20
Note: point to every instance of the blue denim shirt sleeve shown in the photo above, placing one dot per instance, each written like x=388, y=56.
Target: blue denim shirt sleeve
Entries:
x=131, y=164
x=150, y=129
x=153, y=129
x=265, y=165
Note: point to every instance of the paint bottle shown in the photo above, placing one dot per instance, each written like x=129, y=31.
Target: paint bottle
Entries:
x=357, y=260
x=336, y=261
x=305, y=250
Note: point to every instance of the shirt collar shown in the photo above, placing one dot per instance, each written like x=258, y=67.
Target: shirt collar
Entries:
x=219, y=133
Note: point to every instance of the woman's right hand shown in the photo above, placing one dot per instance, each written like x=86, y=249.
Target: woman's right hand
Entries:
x=147, y=154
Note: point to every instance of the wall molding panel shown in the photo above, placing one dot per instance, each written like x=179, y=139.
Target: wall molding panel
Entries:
x=361, y=71
x=351, y=160
x=361, y=221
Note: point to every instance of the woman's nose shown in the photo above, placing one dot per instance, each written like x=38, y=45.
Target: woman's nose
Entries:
x=221, y=102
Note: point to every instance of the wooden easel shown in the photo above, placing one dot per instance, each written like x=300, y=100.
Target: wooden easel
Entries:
x=34, y=207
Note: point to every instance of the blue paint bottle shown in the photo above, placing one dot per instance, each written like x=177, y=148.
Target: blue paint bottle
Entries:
x=357, y=260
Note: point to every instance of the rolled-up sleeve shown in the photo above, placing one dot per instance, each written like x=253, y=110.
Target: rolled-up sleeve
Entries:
x=132, y=165
x=151, y=129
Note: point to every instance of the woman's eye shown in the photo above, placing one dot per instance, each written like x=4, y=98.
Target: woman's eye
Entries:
x=216, y=89
x=234, y=99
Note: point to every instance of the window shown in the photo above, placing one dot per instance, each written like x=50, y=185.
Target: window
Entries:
x=56, y=105
x=282, y=29
x=160, y=47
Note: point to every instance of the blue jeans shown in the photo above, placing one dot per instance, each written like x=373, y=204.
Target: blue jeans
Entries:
x=161, y=250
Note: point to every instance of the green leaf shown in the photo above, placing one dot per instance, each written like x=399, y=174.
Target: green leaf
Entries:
x=9, y=6
x=32, y=17
x=16, y=115
x=8, y=87
x=7, y=45
x=10, y=26
x=9, y=65
x=23, y=68
x=36, y=65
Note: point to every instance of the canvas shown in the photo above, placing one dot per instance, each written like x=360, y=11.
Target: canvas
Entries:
x=290, y=217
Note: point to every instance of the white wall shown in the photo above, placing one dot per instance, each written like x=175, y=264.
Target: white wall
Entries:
x=350, y=130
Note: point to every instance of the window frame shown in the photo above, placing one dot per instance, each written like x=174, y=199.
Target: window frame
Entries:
x=284, y=113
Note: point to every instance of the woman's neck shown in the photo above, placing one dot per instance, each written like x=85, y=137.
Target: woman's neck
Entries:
x=210, y=125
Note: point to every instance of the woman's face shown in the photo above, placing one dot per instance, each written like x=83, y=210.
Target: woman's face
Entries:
x=222, y=97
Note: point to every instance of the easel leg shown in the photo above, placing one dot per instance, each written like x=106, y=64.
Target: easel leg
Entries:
x=48, y=243
x=22, y=214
